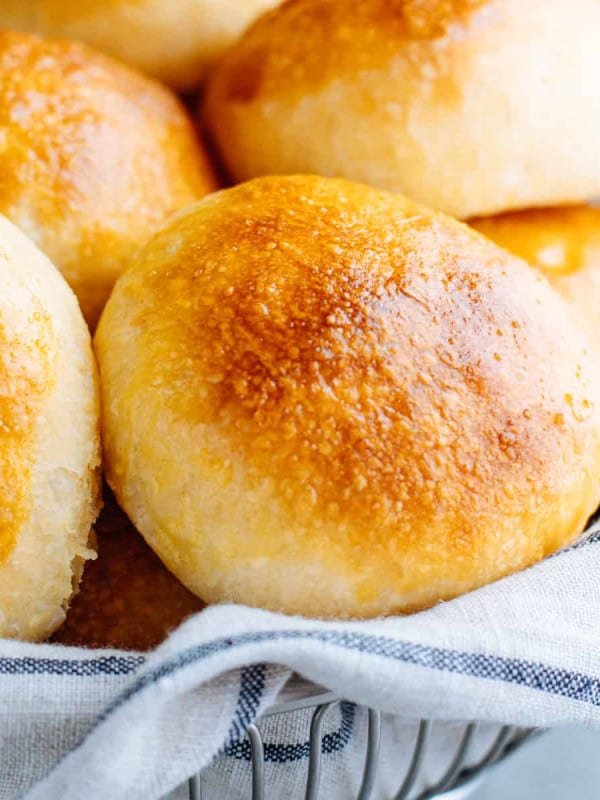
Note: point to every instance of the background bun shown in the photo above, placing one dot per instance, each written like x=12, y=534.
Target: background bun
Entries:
x=49, y=442
x=470, y=106
x=174, y=40
x=324, y=399
x=127, y=598
x=564, y=243
x=93, y=158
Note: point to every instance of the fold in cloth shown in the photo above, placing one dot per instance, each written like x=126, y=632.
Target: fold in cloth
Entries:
x=78, y=724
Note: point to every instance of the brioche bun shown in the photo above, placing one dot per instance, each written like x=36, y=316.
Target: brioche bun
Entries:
x=49, y=441
x=324, y=399
x=564, y=243
x=470, y=106
x=93, y=158
x=173, y=40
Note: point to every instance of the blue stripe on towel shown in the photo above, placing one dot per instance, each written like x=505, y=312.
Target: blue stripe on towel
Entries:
x=286, y=753
x=252, y=686
x=80, y=668
x=533, y=675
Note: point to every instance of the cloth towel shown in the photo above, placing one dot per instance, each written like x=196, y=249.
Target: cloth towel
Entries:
x=110, y=725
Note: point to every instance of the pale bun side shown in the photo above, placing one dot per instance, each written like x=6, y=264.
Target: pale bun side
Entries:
x=324, y=399
x=564, y=243
x=176, y=41
x=93, y=158
x=470, y=106
x=49, y=441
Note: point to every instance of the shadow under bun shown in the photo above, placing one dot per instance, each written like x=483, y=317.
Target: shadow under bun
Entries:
x=49, y=441
x=564, y=243
x=93, y=158
x=176, y=41
x=127, y=598
x=324, y=399
x=470, y=106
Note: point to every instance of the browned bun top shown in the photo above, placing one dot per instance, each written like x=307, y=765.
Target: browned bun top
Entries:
x=460, y=104
x=357, y=383
x=564, y=243
x=558, y=241
x=93, y=158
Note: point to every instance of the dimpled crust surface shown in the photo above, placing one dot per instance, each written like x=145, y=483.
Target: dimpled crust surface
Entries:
x=93, y=158
x=470, y=106
x=49, y=440
x=564, y=243
x=324, y=399
x=174, y=40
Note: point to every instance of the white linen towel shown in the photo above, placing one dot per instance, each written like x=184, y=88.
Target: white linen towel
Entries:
x=103, y=725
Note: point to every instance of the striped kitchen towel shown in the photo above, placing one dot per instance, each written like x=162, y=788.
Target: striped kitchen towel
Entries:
x=102, y=725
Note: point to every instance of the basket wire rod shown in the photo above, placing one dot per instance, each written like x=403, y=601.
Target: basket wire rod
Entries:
x=195, y=788
x=458, y=764
x=416, y=760
x=372, y=755
x=522, y=736
x=496, y=749
x=258, y=763
x=314, y=762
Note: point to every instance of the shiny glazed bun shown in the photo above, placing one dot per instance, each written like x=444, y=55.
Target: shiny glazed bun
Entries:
x=174, y=40
x=470, y=106
x=93, y=158
x=324, y=399
x=49, y=441
x=564, y=243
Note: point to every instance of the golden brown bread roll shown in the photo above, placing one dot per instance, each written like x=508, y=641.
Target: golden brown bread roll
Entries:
x=470, y=106
x=93, y=158
x=127, y=598
x=174, y=40
x=325, y=399
x=49, y=440
x=564, y=243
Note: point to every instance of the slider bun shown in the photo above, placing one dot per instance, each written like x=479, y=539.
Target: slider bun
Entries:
x=564, y=243
x=470, y=106
x=324, y=399
x=49, y=441
x=174, y=40
x=93, y=158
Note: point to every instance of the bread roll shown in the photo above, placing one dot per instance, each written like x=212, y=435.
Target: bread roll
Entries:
x=174, y=40
x=323, y=399
x=127, y=598
x=470, y=106
x=49, y=441
x=564, y=243
x=93, y=158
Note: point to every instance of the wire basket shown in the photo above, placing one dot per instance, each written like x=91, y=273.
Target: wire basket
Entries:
x=459, y=776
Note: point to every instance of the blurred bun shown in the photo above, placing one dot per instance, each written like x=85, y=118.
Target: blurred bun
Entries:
x=93, y=158
x=470, y=106
x=49, y=441
x=127, y=598
x=564, y=243
x=174, y=40
x=324, y=399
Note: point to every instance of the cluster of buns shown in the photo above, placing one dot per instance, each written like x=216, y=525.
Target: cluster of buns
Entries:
x=318, y=395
